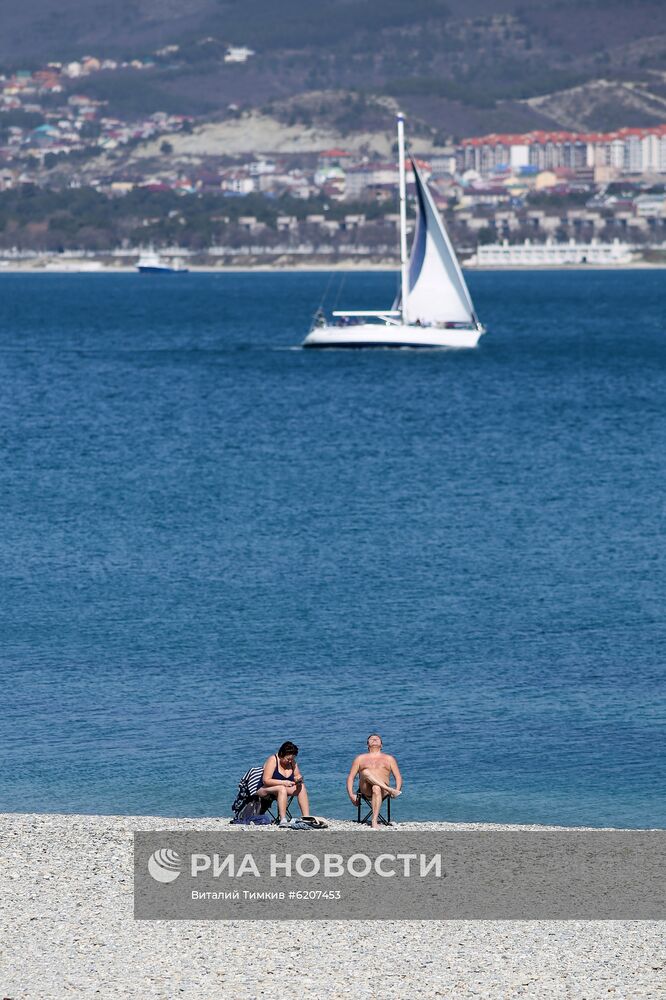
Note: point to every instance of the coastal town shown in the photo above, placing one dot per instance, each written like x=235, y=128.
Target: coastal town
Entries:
x=332, y=379
x=534, y=190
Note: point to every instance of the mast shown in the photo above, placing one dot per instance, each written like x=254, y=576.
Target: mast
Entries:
x=404, y=282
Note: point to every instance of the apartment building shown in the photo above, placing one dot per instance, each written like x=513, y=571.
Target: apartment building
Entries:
x=629, y=150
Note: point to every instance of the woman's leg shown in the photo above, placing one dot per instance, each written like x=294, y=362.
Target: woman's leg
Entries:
x=303, y=801
x=278, y=792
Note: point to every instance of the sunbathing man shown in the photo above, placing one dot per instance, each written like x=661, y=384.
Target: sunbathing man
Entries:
x=374, y=770
x=282, y=778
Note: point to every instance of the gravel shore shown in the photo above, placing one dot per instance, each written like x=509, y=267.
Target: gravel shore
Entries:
x=67, y=929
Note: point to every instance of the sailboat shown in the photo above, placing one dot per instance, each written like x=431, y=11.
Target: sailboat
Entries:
x=434, y=308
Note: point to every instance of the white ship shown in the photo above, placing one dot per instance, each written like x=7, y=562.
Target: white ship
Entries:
x=150, y=262
x=434, y=308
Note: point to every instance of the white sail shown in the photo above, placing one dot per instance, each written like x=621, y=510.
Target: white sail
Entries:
x=437, y=289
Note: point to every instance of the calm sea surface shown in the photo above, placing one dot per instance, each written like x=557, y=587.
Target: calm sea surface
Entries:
x=213, y=542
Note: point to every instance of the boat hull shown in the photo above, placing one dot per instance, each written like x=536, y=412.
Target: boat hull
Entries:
x=365, y=335
x=150, y=269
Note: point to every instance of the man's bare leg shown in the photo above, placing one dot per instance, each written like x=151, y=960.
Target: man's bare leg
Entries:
x=376, y=796
x=377, y=799
x=372, y=778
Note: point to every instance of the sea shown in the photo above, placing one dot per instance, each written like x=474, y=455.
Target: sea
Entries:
x=214, y=541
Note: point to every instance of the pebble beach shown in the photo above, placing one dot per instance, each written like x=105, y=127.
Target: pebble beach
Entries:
x=67, y=929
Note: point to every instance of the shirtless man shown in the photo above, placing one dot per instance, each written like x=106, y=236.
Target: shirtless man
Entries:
x=374, y=770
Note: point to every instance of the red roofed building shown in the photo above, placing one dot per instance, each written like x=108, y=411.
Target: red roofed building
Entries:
x=630, y=150
x=333, y=158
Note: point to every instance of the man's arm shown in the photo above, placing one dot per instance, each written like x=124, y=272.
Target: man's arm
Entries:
x=395, y=771
x=353, y=771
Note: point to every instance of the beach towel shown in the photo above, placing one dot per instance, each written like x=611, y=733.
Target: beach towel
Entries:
x=246, y=803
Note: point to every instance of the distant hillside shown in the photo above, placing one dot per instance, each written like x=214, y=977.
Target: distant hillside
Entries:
x=461, y=66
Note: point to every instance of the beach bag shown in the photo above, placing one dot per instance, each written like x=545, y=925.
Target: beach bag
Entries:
x=246, y=803
x=248, y=812
x=248, y=817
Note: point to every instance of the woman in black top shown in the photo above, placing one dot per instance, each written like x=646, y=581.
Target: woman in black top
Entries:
x=281, y=778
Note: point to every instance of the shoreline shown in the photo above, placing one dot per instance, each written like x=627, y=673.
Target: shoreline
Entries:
x=291, y=268
x=154, y=822
x=67, y=930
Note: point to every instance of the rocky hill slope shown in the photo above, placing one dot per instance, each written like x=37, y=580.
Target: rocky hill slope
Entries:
x=462, y=67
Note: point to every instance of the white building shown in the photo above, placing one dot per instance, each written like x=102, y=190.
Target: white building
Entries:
x=238, y=180
x=650, y=206
x=550, y=254
x=238, y=54
x=257, y=168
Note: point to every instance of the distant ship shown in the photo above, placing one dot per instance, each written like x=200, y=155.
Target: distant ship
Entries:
x=150, y=262
x=434, y=307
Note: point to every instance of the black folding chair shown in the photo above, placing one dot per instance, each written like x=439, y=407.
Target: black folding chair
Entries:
x=269, y=805
x=382, y=820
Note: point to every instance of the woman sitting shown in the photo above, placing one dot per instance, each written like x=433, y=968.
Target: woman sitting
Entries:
x=282, y=778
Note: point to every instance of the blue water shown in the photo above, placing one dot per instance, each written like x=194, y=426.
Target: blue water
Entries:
x=213, y=542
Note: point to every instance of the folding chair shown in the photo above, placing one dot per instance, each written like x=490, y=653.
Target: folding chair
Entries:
x=383, y=820
x=269, y=805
